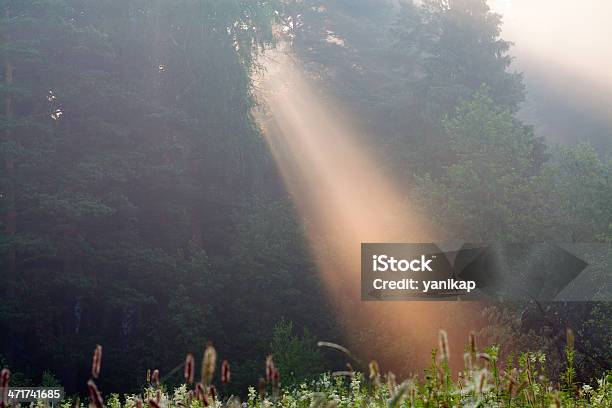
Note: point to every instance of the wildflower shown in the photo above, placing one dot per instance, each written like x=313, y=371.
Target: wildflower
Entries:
x=97, y=361
x=94, y=394
x=189, y=363
x=233, y=402
x=225, y=372
x=209, y=362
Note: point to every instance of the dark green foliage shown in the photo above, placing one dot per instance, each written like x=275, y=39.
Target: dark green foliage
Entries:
x=297, y=357
x=135, y=163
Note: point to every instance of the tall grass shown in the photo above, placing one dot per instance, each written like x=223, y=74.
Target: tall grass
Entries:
x=483, y=382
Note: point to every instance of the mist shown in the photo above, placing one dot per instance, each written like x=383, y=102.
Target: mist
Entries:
x=564, y=51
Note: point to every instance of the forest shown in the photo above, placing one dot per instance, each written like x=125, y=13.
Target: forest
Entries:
x=159, y=192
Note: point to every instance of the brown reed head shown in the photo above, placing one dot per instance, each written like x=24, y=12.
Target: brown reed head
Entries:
x=189, y=368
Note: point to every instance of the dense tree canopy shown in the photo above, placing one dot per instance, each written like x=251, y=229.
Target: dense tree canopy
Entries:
x=132, y=172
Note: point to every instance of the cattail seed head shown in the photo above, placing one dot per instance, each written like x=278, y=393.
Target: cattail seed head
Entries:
x=209, y=362
x=225, y=372
x=201, y=394
x=189, y=368
x=5, y=376
x=149, y=375
x=94, y=394
x=138, y=403
x=443, y=345
x=374, y=371
x=199, y=391
x=155, y=377
x=96, y=361
x=472, y=342
x=270, y=368
x=212, y=391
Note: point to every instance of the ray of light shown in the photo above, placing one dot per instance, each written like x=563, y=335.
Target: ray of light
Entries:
x=345, y=199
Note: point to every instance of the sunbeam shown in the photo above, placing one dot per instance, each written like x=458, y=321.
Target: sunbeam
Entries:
x=345, y=199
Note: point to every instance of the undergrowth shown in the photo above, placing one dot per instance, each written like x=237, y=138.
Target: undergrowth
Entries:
x=484, y=382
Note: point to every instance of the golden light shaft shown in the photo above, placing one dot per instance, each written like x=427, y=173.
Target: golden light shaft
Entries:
x=344, y=200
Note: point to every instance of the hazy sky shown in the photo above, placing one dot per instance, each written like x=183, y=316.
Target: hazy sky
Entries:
x=576, y=34
x=564, y=48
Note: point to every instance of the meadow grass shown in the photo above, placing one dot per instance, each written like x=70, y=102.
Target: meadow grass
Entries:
x=483, y=382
